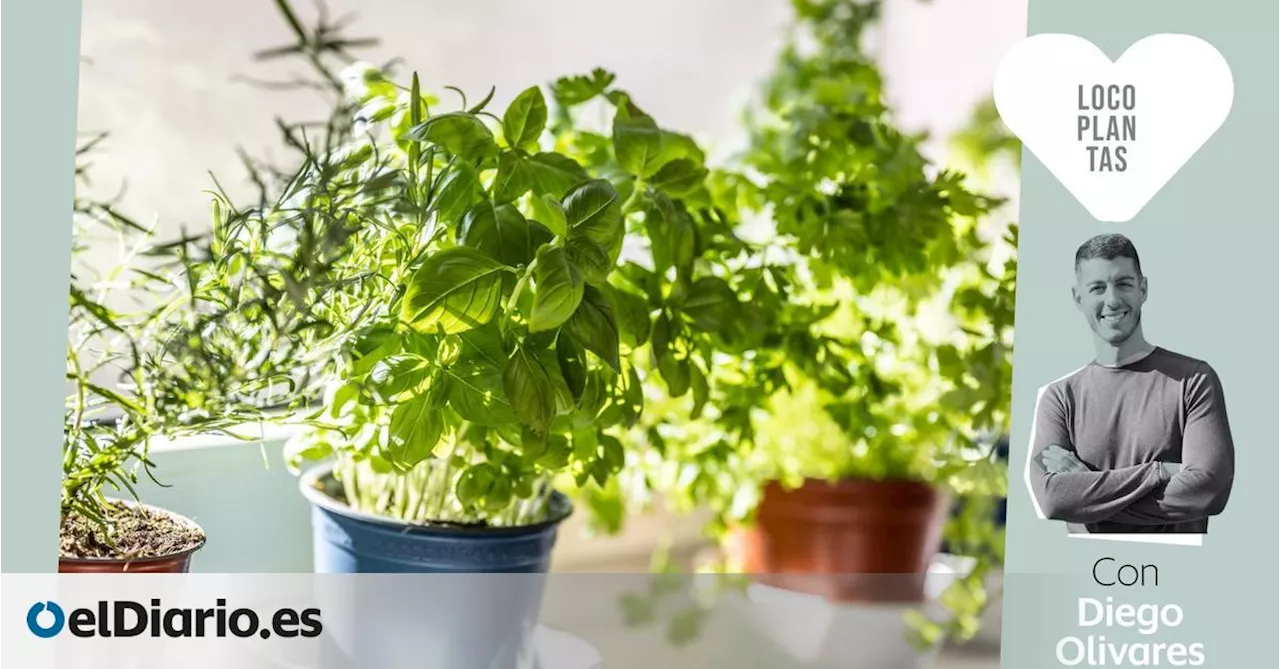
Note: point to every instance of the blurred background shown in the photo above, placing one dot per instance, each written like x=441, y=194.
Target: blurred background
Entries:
x=178, y=91
x=173, y=82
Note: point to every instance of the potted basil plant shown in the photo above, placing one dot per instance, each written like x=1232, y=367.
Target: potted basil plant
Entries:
x=467, y=314
x=475, y=322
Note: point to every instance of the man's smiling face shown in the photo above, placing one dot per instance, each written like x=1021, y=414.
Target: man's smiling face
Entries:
x=1110, y=294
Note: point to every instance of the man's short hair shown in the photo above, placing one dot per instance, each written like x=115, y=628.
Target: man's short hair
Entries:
x=1108, y=247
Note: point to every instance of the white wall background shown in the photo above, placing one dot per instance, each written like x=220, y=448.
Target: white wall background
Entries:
x=160, y=75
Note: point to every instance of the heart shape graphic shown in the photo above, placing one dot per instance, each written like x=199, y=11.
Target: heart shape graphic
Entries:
x=1113, y=133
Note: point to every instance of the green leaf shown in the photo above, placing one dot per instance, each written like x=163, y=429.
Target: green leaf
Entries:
x=611, y=451
x=632, y=314
x=513, y=179
x=554, y=174
x=484, y=342
x=950, y=362
x=399, y=374
x=525, y=118
x=671, y=235
x=475, y=482
x=594, y=326
x=342, y=396
x=674, y=370
x=499, y=495
x=529, y=388
x=532, y=445
x=577, y=89
x=600, y=472
x=559, y=385
x=462, y=134
x=547, y=209
x=414, y=431
x=573, y=366
x=594, y=396
x=593, y=211
x=590, y=258
x=458, y=190
x=679, y=177
x=676, y=146
x=501, y=232
x=476, y=392
x=558, y=288
x=650, y=283
x=711, y=304
x=701, y=392
x=586, y=443
x=557, y=452
x=636, y=142
x=633, y=397
x=454, y=291
x=373, y=347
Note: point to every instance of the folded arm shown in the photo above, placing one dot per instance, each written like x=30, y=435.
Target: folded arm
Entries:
x=1203, y=485
x=1082, y=496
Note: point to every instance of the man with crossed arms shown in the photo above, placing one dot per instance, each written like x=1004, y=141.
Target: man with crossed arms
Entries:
x=1137, y=441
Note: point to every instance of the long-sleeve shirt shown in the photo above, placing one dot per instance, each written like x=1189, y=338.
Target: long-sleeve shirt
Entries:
x=1123, y=422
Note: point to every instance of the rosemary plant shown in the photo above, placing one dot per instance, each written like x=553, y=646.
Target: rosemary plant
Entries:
x=153, y=354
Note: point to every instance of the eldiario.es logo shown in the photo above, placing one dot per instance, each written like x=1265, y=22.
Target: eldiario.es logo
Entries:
x=124, y=618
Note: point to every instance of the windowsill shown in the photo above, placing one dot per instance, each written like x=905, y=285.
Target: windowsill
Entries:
x=259, y=522
x=247, y=434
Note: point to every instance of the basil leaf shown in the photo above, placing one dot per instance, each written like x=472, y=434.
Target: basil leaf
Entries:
x=559, y=385
x=701, y=392
x=636, y=142
x=476, y=391
x=529, y=390
x=573, y=366
x=502, y=233
x=594, y=326
x=676, y=146
x=612, y=453
x=454, y=291
x=594, y=211
x=632, y=315
x=513, y=179
x=397, y=375
x=415, y=430
x=671, y=235
x=711, y=304
x=525, y=118
x=558, y=288
x=556, y=453
x=577, y=89
x=462, y=134
x=547, y=209
x=675, y=371
x=475, y=482
x=459, y=188
x=590, y=259
x=679, y=177
x=554, y=174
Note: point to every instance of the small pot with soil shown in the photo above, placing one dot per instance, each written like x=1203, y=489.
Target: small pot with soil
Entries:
x=147, y=539
x=852, y=540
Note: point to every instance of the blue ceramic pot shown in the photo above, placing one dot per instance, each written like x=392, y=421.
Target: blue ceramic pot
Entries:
x=456, y=596
x=347, y=541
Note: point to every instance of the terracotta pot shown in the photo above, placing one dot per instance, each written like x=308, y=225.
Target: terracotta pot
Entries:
x=177, y=563
x=856, y=540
